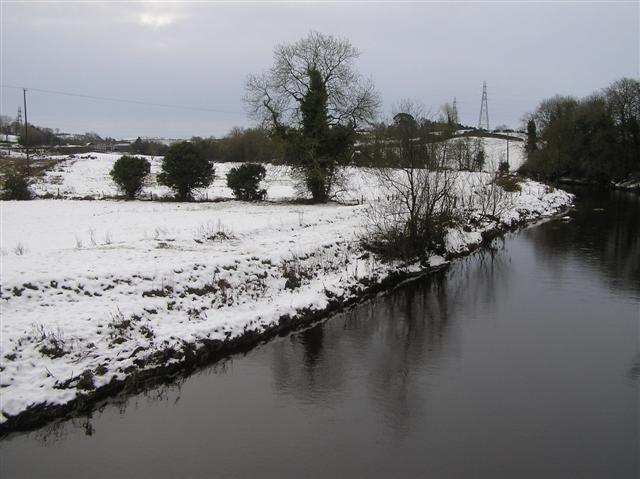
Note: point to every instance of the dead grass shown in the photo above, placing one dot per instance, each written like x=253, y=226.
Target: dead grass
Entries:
x=510, y=184
x=10, y=165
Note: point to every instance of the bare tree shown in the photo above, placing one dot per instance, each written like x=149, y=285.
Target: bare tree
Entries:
x=623, y=100
x=466, y=153
x=313, y=67
x=274, y=96
x=419, y=201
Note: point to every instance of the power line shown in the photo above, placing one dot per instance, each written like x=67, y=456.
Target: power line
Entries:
x=123, y=100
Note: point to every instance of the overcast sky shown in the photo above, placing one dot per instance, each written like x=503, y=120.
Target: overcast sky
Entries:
x=198, y=55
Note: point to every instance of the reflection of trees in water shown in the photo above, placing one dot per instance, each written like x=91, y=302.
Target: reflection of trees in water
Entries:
x=299, y=364
x=389, y=342
x=474, y=282
x=604, y=233
x=311, y=340
x=412, y=327
x=417, y=333
x=387, y=346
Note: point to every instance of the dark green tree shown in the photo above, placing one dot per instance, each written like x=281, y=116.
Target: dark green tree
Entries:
x=532, y=137
x=317, y=149
x=128, y=173
x=184, y=169
x=244, y=181
x=314, y=138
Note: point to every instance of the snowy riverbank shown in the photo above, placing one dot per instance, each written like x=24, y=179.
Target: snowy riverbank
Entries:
x=96, y=292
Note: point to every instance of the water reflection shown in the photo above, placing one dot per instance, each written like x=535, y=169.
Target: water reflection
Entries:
x=489, y=368
x=391, y=341
x=386, y=343
x=603, y=234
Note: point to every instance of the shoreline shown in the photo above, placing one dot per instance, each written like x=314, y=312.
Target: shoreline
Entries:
x=167, y=365
x=631, y=185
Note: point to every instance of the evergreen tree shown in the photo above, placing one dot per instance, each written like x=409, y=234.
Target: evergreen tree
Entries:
x=316, y=149
x=184, y=168
x=128, y=173
x=532, y=137
x=313, y=142
x=245, y=180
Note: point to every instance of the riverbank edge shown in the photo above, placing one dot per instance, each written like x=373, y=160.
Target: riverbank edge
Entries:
x=631, y=185
x=202, y=353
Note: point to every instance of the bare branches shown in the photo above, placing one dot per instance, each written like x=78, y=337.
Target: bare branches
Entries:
x=273, y=97
x=420, y=199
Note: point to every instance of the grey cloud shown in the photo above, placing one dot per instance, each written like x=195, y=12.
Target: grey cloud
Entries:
x=199, y=55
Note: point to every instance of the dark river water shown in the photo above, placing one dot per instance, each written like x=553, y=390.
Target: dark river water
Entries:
x=521, y=361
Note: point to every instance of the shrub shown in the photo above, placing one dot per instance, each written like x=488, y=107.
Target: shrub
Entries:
x=129, y=173
x=245, y=180
x=184, y=168
x=503, y=168
x=16, y=187
x=510, y=184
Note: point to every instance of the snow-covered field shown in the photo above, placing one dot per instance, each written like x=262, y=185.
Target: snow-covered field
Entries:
x=496, y=151
x=87, y=175
x=92, y=289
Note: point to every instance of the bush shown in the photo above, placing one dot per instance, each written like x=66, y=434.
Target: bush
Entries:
x=503, y=168
x=129, y=173
x=245, y=180
x=16, y=187
x=510, y=184
x=184, y=168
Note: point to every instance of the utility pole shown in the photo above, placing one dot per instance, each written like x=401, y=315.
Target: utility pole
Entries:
x=26, y=130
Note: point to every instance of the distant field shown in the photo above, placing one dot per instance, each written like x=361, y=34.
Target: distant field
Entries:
x=87, y=175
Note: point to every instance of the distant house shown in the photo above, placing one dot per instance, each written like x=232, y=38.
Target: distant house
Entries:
x=121, y=147
x=13, y=139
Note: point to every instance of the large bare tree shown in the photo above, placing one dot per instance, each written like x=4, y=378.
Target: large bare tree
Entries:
x=277, y=96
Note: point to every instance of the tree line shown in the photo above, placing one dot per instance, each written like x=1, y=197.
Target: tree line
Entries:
x=596, y=138
x=239, y=145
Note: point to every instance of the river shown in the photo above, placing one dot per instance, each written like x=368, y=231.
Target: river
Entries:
x=518, y=361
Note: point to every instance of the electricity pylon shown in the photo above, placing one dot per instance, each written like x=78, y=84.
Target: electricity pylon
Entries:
x=483, y=121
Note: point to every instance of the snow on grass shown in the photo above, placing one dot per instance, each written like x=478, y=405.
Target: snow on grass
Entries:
x=495, y=150
x=91, y=290
x=87, y=176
